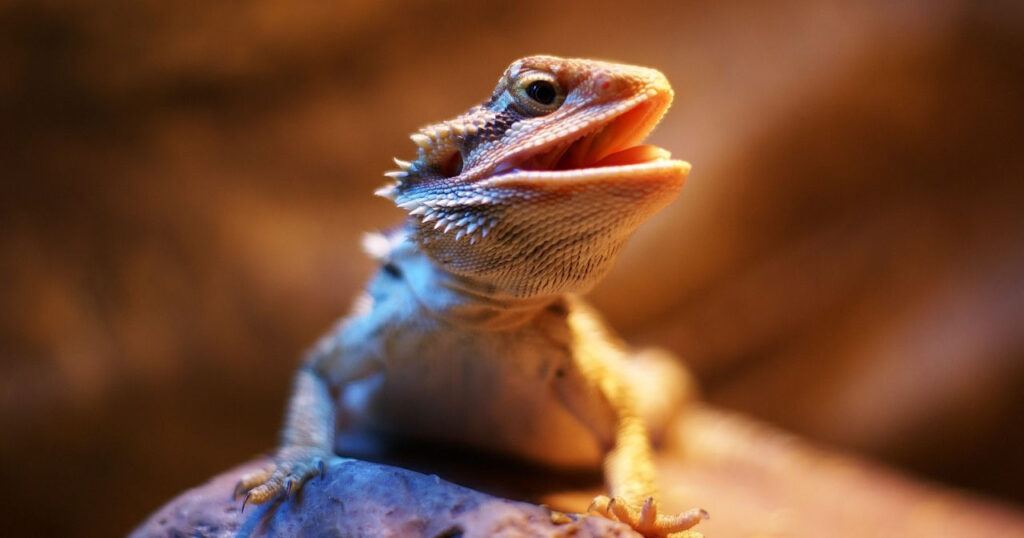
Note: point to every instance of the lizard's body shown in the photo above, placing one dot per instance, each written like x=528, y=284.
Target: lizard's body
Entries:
x=471, y=332
x=492, y=376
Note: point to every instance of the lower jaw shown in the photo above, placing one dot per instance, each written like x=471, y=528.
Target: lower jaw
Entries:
x=655, y=169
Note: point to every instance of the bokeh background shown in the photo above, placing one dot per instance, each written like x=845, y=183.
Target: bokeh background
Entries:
x=184, y=186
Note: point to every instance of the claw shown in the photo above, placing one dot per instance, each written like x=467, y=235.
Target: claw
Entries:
x=288, y=486
x=322, y=467
x=599, y=505
x=620, y=510
x=237, y=491
x=648, y=513
x=689, y=518
x=245, y=502
x=559, y=518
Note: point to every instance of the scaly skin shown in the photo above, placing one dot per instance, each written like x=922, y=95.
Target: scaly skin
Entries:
x=472, y=331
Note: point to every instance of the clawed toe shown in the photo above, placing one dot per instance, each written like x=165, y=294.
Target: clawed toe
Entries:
x=646, y=519
x=251, y=480
x=263, y=493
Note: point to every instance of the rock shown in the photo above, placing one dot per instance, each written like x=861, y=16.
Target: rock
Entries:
x=358, y=498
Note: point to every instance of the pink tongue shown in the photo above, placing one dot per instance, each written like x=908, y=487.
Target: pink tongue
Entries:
x=634, y=155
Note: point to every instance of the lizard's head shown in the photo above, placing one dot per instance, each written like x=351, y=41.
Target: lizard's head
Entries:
x=535, y=191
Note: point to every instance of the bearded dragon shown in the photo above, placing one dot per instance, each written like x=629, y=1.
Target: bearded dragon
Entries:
x=472, y=331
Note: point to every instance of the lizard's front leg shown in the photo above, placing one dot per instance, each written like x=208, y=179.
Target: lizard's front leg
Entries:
x=307, y=439
x=600, y=398
x=306, y=442
x=629, y=472
x=598, y=393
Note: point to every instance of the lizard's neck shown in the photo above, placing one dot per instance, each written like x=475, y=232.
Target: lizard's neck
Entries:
x=459, y=300
x=481, y=309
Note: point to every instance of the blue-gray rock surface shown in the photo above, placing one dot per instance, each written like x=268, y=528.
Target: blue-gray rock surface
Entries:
x=359, y=498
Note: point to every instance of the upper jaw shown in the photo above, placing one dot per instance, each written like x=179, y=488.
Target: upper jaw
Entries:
x=602, y=147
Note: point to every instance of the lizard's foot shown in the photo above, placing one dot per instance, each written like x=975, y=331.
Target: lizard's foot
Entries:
x=646, y=520
x=292, y=466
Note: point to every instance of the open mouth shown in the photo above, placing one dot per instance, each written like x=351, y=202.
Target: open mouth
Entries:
x=594, y=150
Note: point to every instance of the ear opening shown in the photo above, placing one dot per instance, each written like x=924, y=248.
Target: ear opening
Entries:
x=452, y=165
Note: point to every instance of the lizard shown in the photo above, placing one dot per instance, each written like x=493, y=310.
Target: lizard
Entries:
x=473, y=330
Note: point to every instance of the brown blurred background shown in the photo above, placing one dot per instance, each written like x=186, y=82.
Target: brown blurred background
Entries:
x=184, y=186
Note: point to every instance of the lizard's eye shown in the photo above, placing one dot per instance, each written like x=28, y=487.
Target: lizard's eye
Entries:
x=542, y=91
x=538, y=92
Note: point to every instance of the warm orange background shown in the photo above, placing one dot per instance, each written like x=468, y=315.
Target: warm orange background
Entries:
x=183, y=190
